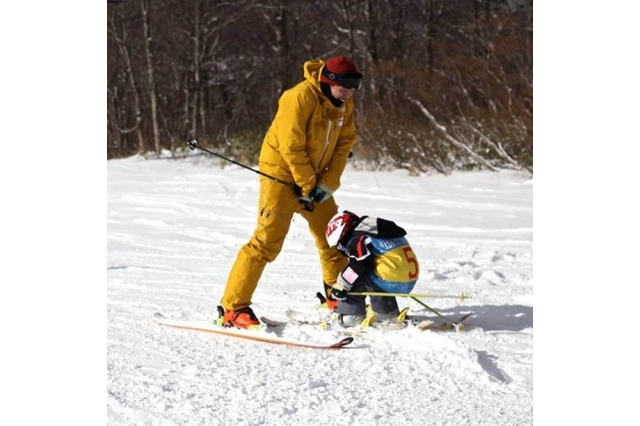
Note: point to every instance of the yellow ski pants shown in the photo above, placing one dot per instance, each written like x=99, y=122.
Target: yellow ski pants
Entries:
x=277, y=205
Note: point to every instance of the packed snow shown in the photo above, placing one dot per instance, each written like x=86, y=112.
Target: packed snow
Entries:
x=174, y=227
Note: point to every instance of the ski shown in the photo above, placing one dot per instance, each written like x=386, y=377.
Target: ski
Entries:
x=441, y=326
x=208, y=327
x=271, y=323
x=422, y=323
x=306, y=318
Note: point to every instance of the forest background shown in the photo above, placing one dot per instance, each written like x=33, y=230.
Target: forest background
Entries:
x=448, y=83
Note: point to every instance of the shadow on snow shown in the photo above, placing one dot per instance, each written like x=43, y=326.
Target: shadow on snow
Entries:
x=488, y=317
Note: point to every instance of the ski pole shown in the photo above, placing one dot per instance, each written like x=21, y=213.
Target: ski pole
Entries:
x=412, y=295
x=434, y=311
x=193, y=144
x=308, y=205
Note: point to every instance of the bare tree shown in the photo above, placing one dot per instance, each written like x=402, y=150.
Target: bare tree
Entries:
x=197, y=54
x=447, y=135
x=214, y=69
x=275, y=14
x=151, y=81
x=120, y=35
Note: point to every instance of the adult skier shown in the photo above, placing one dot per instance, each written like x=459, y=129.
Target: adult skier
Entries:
x=307, y=145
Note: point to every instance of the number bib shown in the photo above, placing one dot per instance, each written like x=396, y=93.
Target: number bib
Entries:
x=396, y=265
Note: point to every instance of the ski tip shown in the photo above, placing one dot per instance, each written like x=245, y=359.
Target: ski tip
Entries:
x=459, y=326
x=464, y=317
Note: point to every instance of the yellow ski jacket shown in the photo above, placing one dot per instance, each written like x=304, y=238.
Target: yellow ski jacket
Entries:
x=309, y=139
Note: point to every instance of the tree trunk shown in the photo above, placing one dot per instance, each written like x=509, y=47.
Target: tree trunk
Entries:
x=151, y=81
x=126, y=57
x=195, y=99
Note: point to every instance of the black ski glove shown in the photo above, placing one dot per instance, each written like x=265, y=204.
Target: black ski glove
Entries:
x=339, y=294
x=307, y=202
x=341, y=288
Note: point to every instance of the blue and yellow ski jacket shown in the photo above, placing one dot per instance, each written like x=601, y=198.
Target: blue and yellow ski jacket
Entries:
x=378, y=250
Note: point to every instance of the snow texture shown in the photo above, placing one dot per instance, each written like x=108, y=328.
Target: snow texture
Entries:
x=174, y=228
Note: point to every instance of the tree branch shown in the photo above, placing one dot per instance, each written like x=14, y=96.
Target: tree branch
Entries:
x=443, y=130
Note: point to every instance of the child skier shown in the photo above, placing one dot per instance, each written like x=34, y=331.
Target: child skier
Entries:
x=380, y=260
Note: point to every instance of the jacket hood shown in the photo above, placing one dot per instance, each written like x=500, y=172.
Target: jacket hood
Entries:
x=311, y=70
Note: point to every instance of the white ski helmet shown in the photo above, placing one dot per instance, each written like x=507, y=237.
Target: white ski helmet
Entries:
x=338, y=226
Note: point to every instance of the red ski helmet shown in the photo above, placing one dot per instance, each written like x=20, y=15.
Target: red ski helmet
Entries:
x=338, y=226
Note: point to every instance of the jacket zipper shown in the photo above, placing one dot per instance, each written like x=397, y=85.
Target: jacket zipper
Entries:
x=326, y=142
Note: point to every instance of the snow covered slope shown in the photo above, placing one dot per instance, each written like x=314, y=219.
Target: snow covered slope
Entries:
x=173, y=230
